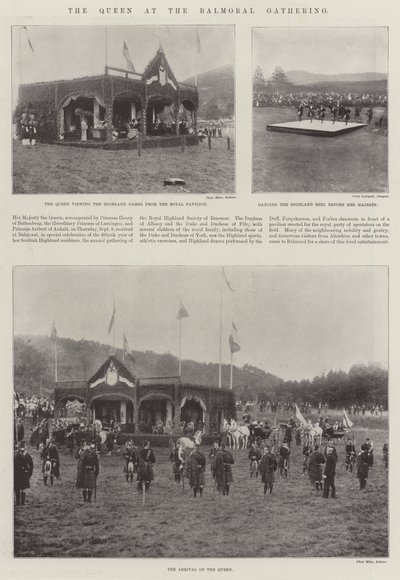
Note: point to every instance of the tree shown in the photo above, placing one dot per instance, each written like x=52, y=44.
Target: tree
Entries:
x=258, y=80
x=279, y=81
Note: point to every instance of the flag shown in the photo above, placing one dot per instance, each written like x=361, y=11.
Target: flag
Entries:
x=28, y=39
x=53, y=332
x=182, y=312
x=112, y=320
x=198, y=41
x=226, y=280
x=300, y=417
x=346, y=420
x=234, y=340
x=127, y=57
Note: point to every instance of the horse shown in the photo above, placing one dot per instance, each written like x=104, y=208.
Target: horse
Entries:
x=313, y=434
x=238, y=434
x=186, y=443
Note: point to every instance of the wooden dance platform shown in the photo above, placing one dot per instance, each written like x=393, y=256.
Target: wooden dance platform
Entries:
x=316, y=128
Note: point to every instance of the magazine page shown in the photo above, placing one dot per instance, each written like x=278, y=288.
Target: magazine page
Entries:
x=199, y=284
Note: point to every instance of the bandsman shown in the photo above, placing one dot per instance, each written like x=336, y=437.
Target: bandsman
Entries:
x=177, y=457
x=254, y=457
x=23, y=469
x=130, y=457
x=146, y=460
x=283, y=463
x=88, y=471
x=315, y=462
x=268, y=466
x=223, y=469
x=50, y=462
x=351, y=454
x=363, y=465
x=196, y=467
x=329, y=473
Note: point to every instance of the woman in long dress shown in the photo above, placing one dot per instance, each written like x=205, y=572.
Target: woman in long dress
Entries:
x=84, y=128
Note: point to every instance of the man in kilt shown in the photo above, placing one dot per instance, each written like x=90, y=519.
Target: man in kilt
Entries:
x=223, y=469
x=283, y=464
x=195, y=469
x=88, y=470
x=363, y=465
x=268, y=466
x=329, y=473
x=23, y=469
x=254, y=456
x=130, y=456
x=177, y=457
x=385, y=451
x=50, y=453
x=307, y=450
x=146, y=460
x=350, y=454
x=211, y=454
x=315, y=462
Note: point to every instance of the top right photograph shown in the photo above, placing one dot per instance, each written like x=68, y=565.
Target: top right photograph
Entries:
x=320, y=110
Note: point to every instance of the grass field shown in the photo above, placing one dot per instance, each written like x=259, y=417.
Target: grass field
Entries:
x=58, y=169
x=295, y=521
x=356, y=162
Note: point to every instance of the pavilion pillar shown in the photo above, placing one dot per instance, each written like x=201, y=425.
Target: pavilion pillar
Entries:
x=176, y=109
x=136, y=410
x=109, y=123
x=123, y=412
x=177, y=403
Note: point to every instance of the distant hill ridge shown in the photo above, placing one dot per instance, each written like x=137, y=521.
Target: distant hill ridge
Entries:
x=216, y=92
x=301, y=77
x=80, y=359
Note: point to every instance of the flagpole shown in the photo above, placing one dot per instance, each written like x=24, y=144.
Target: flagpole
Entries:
x=123, y=347
x=106, y=45
x=20, y=56
x=195, y=58
x=114, y=325
x=55, y=360
x=220, y=339
x=180, y=348
x=231, y=377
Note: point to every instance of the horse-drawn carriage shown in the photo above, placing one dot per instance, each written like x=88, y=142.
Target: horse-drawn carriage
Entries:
x=259, y=433
x=337, y=434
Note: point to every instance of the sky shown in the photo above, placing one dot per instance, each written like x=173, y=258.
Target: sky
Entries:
x=294, y=322
x=321, y=50
x=66, y=52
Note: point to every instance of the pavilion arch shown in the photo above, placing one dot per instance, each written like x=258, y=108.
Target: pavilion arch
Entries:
x=193, y=409
x=156, y=105
x=155, y=408
x=112, y=406
x=127, y=105
x=92, y=108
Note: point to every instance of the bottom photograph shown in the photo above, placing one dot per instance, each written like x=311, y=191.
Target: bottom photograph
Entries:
x=200, y=411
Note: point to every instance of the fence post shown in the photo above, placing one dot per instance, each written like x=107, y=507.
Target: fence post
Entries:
x=183, y=142
x=209, y=141
x=229, y=143
x=139, y=145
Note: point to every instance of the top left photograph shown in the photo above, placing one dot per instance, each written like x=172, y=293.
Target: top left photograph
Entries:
x=123, y=109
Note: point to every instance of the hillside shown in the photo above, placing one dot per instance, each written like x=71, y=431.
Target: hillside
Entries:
x=301, y=77
x=216, y=93
x=79, y=360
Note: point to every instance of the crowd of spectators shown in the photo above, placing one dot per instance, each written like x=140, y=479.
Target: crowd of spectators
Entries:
x=323, y=98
